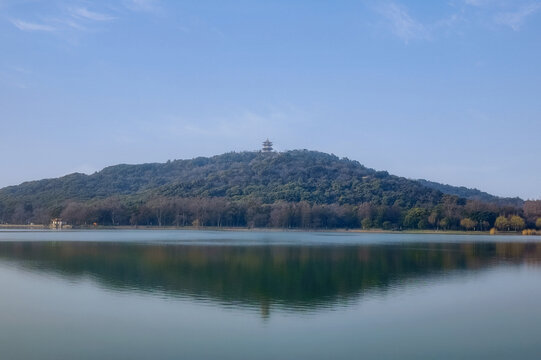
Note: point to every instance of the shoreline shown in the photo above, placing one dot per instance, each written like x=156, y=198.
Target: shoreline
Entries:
x=245, y=229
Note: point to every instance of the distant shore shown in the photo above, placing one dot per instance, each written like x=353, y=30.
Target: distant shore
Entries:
x=14, y=226
x=214, y=228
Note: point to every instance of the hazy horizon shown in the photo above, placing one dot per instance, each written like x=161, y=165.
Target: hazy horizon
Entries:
x=447, y=92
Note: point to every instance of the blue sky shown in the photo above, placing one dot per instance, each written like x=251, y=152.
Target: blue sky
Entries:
x=443, y=90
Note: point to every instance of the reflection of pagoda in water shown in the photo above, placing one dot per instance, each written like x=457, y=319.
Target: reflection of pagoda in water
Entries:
x=267, y=146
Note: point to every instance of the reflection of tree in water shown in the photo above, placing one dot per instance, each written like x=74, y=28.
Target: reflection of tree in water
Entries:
x=290, y=277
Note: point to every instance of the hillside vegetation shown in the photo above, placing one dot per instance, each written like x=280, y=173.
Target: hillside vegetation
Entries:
x=472, y=194
x=300, y=188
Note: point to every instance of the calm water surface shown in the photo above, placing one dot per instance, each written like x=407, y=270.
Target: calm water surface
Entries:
x=268, y=295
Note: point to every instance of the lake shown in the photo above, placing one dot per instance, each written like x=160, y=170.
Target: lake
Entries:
x=152, y=294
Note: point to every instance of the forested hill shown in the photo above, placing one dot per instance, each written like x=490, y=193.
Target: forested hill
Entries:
x=472, y=194
x=297, y=188
x=292, y=176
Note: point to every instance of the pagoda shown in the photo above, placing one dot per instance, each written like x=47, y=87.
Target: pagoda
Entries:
x=267, y=146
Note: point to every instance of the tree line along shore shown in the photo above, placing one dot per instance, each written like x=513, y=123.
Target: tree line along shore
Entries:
x=452, y=214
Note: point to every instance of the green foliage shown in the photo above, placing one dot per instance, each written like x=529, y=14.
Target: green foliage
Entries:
x=294, y=189
x=472, y=194
x=517, y=223
x=468, y=223
x=292, y=176
x=513, y=222
x=444, y=223
x=422, y=224
x=502, y=223
x=366, y=223
x=416, y=218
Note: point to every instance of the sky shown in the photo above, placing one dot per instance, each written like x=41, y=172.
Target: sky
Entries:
x=448, y=91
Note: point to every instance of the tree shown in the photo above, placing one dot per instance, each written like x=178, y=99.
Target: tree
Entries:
x=517, y=223
x=468, y=223
x=41, y=216
x=280, y=215
x=366, y=223
x=19, y=215
x=75, y=213
x=365, y=211
x=444, y=223
x=433, y=219
x=110, y=211
x=485, y=225
x=532, y=209
x=501, y=223
x=416, y=218
x=538, y=223
x=451, y=206
x=422, y=224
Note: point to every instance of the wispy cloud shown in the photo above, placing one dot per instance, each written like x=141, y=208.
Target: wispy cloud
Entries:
x=72, y=18
x=403, y=24
x=68, y=21
x=84, y=13
x=479, y=3
x=515, y=19
x=510, y=13
x=142, y=5
x=81, y=17
x=28, y=26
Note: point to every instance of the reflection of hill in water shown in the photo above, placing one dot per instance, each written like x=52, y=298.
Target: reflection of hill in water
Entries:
x=292, y=277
